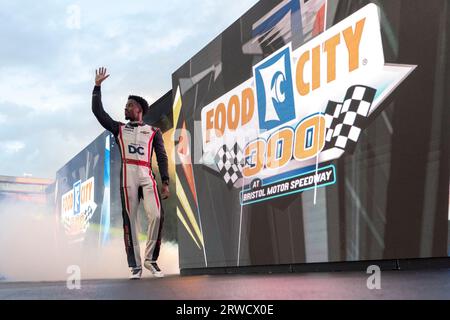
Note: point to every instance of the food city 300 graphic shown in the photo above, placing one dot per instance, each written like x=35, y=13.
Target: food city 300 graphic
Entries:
x=301, y=108
x=78, y=207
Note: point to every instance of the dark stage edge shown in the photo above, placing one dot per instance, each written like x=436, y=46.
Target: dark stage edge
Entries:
x=398, y=264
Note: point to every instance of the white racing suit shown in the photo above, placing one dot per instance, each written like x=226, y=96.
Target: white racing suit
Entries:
x=137, y=142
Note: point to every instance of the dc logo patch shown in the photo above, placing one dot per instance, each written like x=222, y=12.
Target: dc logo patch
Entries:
x=274, y=90
x=76, y=197
x=136, y=149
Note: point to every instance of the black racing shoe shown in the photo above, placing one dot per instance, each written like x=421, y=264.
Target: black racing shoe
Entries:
x=153, y=267
x=136, y=273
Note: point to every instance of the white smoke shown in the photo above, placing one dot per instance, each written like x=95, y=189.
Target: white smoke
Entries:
x=32, y=249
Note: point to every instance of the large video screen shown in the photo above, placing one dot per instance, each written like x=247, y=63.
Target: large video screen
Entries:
x=82, y=193
x=315, y=131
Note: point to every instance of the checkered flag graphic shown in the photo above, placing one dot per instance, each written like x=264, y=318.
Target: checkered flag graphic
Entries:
x=229, y=161
x=345, y=121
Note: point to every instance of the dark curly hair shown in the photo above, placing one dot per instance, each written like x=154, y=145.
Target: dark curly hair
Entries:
x=141, y=101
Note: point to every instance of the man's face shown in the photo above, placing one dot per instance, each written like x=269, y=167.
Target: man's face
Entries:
x=132, y=110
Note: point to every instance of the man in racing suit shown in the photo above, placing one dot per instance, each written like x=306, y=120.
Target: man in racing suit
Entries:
x=136, y=141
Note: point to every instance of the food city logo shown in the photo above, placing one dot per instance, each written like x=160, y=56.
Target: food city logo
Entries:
x=301, y=108
x=77, y=207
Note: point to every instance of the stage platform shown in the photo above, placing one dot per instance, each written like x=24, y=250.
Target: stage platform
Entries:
x=409, y=284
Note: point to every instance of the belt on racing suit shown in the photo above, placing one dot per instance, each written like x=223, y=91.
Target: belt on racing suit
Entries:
x=137, y=162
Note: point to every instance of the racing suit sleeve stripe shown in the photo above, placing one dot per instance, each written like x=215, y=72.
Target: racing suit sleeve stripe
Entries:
x=150, y=146
x=161, y=156
x=97, y=108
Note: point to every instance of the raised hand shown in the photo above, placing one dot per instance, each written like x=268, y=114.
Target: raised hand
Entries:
x=100, y=76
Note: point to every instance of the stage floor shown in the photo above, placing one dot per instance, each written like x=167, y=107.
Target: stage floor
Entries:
x=421, y=284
